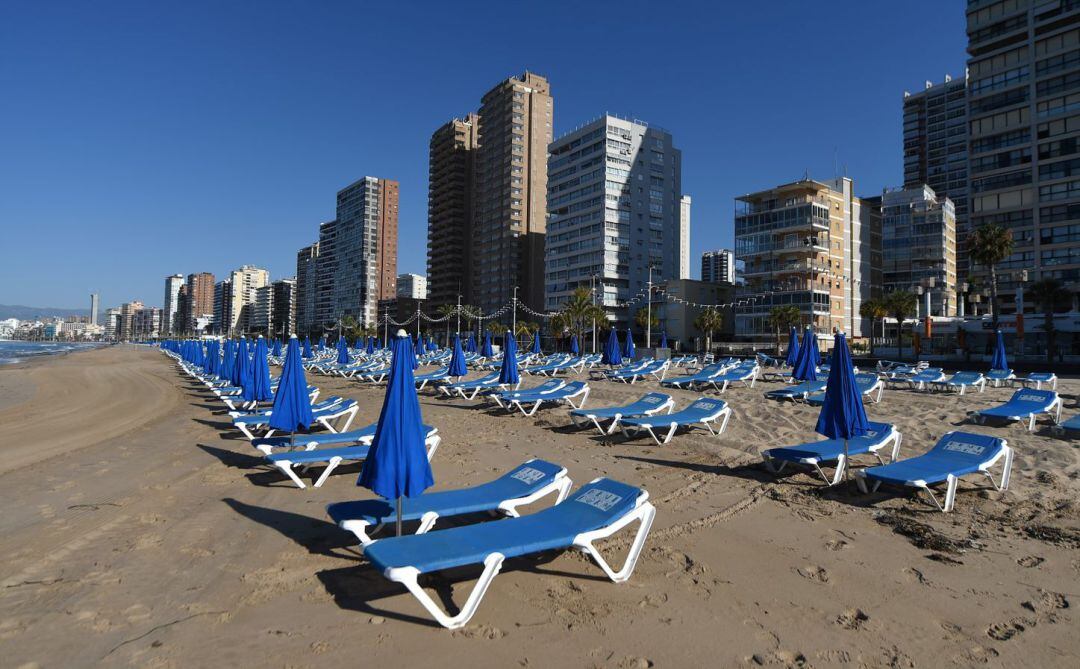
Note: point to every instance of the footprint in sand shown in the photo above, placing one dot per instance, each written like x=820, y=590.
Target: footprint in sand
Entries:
x=836, y=544
x=1030, y=561
x=917, y=575
x=486, y=632
x=814, y=573
x=852, y=619
x=1006, y=630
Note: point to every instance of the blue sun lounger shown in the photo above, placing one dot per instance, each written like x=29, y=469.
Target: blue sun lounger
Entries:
x=566, y=394
x=799, y=391
x=424, y=379
x=961, y=381
x=596, y=511
x=630, y=367
x=656, y=369
x=648, y=405
x=333, y=457
x=307, y=442
x=1067, y=426
x=521, y=486
x=470, y=388
x=1025, y=405
x=746, y=374
x=832, y=450
x=503, y=399
x=704, y=411
x=1000, y=376
x=335, y=417
x=955, y=455
x=870, y=386
x=928, y=375
x=1037, y=379
x=704, y=376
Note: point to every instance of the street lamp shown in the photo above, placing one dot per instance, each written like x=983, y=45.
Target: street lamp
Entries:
x=648, y=312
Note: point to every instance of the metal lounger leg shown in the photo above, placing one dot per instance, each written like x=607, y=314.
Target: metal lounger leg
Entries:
x=407, y=576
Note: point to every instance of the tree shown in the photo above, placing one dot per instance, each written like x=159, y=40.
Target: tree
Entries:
x=1051, y=295
x=580, y=312
x=559, y=324
x=900, y=305
x=708, y=321
x=989, y=245
x=783, y=318
x=873, y=309
x=645, y=320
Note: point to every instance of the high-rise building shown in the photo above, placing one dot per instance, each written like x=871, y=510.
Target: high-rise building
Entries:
x=918, y=237
x=146, y=323
x=809, y=244
x=170, y=311
x=936, y=146
x=200, y=299
x=509, y=221
x=413, y=286
x=1024, y=116
x=112, y=323
x=352, y=271
x=306, y=282
x=684, y=237
x=614, y=211
x=94, y=306
x=179, y=324
x=451, y=185
x=261, y=311
x=718, y=266
x=127, y=322
x=223, y=315
x=283, y=313
x=244, y=282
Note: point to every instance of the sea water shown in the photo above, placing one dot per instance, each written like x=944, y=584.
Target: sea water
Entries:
x=12, y=351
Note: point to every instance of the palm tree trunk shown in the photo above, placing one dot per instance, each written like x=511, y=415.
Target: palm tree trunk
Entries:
x=994, y=295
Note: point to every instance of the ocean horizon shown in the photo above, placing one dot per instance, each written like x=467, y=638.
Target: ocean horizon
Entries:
x=13, y=350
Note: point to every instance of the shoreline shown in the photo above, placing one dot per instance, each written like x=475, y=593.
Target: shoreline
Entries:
x=148, y=535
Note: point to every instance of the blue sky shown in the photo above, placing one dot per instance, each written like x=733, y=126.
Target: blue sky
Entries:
x=142, y=139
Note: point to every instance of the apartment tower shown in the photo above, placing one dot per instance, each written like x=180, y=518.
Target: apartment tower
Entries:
x=451, y=172
x=919, y=246
x=306, y=280
x=244, y=282
x=684, y=237
x=94, y=306
x=515, y=129
x=1024, y=153
x=171, y=321
x=200, y=299
x=614, y=211
x=718, y=266
x=809, y=244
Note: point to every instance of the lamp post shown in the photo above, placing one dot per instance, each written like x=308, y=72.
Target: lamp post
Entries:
x=962, y=298
x=513, y=316
x=648, y=312
x=592, y=294
x=458, y=315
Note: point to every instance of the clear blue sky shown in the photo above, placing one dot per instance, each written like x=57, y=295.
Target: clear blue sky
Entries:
x=141, y=139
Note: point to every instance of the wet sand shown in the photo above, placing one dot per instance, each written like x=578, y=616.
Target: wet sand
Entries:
x=137, y=532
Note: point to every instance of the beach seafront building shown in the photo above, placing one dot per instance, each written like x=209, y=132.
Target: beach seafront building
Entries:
x=614, y=211
x=935, y=133
x=412, y=286
x=95, y=306
x=918, y=237
x=170, y=310
x=199, y=302
x=808, y=244
x=684, y=237
x=451, y=193
x=718, y=266
x=274, y=311
x=354, y=263
x=243, y=284
x=1024, y=121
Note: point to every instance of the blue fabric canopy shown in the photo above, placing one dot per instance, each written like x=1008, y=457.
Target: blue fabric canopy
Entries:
x=342, y=351
x=322, y=342
x=277, y=348
x=630, y=351
x=397, y=464
x=814, y=352
x=248, y=380
x=999, y=361
x=239, y=363
x=457, y=359
x=612, y=355
x=370, y=349
x=843, y=415
x=663, y=339
x=486, y=349
x=292, y=405
x=228, y=360
x=508, y=374
x=260, y=372
x=307, y=348
x=792, y=348
x=805, y=369
x=431, y=345
x=470, y=344
x=574, y=348
x=536, y=342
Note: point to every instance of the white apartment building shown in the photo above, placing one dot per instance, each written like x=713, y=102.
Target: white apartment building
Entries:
x=412, y=285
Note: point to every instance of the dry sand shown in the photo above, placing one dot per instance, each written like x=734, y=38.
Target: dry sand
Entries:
x=136, y=532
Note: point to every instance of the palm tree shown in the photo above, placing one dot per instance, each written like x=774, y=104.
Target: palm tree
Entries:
x=709, y=321
x=469, y=314
x=873, y=309
x=989, y=245
x=1051, y=295
x=645, y=320
x=900, y=304
x=559, y=324
x=783, y=318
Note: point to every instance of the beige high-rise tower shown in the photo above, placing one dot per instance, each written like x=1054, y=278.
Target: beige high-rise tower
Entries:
x=451, y=169
x=509, y=220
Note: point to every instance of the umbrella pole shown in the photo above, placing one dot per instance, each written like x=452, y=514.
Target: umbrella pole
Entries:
x=399, y=516
x=847, y=462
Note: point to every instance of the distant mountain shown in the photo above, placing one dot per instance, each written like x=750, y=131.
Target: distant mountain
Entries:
x=24, y=313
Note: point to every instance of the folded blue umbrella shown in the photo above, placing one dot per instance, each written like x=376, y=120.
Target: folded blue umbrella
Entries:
x=397, y=464
x=292, y=404
x=307, y=348
x=457, y=360
x=630, y=351
x=322, y=342
x=843, y=415
x=814, y=352
x=228, y=360
x=342, y=351
x=574, y=348
x=239, y=363
x=470, y=344
x=612, y=355
x=536, y=343
x=508, y=373
x=260, y=372
x=277, y=348
x=663, y=339
x=793, y=348
x=999, y=361
x=370, y=346
x=486, y=349
x=805, y=368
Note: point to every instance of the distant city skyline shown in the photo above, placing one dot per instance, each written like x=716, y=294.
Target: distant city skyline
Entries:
x=185, y=169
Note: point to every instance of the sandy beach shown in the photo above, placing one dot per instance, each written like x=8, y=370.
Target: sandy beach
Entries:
x=137, y=532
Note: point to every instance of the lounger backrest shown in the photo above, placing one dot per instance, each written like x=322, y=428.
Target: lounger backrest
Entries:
x=866, y=380
x=1040, y=398
x=966, y=448
x=877, y=430
x=531, y=475
x=599, y=502
x=966, y=377
x=547, y=386
x=1041, y=376
x=999, y=372
x=572, y=387
x=705, y=406
x=651, y=400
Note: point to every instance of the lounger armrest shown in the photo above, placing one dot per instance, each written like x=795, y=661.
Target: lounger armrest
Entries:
x=560, y=484
x=644, y=513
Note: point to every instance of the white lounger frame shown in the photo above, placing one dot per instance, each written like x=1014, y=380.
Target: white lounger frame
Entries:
x=644, y=513
x=432, y=442
x=1037, y=383
x=747, y=380
x=509, y=401
x=582, y=392
x=951, y=482
x=337, y=419
x=724, y=413
x=1054, y=411
x=560, y=485
x=578, y=421
x=894, y=438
